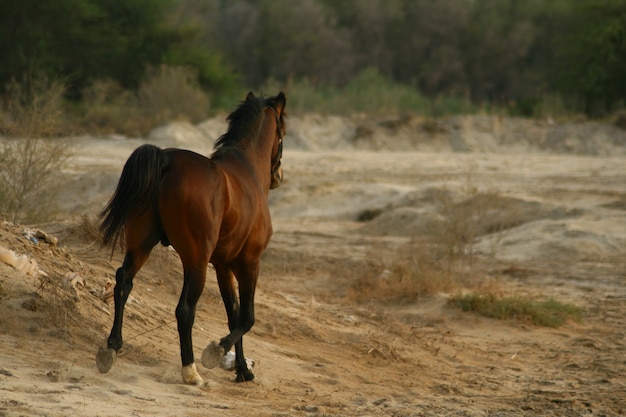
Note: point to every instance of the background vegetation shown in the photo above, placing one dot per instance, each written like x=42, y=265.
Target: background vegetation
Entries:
x=528, y=57
x=125, y=66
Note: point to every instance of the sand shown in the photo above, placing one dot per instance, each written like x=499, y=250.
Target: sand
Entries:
x=548, y=220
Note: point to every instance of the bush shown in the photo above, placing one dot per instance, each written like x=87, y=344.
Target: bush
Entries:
x=30, y=167
x=33, y=108
x=369, y=92
x=172, y=93
x=30, y=174
x=107, y=108
x=167, y=94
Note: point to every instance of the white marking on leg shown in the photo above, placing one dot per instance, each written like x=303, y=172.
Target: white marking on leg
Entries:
x=191, y=375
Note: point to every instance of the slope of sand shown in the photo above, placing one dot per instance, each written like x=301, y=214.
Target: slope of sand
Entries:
x=548, y=218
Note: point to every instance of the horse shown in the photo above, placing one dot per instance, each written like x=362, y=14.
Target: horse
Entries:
x=210, y=210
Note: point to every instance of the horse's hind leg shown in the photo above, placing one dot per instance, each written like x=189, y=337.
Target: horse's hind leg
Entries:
x=194, y=279
x=136, y=255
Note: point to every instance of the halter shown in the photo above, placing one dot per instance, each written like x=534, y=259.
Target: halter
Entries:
x=279, y=132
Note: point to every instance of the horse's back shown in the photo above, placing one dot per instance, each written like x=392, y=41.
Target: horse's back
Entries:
x=246, y=225
x=191, y=198
x=211, y=209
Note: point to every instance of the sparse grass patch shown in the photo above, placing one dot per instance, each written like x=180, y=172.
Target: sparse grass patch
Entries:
x=549, y=313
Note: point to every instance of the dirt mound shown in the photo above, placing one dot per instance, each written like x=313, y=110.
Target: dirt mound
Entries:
x=492, y=134
x=431, y=210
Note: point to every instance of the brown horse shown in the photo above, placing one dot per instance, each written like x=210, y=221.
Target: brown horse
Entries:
x=211, y=210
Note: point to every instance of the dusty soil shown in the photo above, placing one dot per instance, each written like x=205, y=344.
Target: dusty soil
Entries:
x=556, y=192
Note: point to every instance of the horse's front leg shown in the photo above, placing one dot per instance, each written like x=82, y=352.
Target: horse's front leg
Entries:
x=240, y=320
x=241, y=364
x=246, y=277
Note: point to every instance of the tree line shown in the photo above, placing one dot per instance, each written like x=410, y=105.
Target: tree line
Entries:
x=513, y=53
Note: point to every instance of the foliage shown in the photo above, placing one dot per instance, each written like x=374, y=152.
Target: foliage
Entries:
x=549, y=312
x=532, y=57
x=85, y=40
x=592, y=60
x=167, y=94
x=369, y=92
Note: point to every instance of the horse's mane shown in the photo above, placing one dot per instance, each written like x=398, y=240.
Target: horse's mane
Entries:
x=240, y=123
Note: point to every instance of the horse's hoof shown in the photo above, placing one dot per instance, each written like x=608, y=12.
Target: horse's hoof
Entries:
x=212, y=355
x=244, y=376
x=191, y=376
x=105, y=358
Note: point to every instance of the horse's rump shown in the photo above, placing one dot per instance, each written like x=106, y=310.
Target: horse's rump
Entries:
x=136, y=191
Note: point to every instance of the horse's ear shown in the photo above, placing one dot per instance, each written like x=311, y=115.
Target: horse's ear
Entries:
x=250, y=96
x=279, y=102
x=282, y=98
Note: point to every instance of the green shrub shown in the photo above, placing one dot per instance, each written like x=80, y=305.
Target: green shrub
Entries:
x=370, y=92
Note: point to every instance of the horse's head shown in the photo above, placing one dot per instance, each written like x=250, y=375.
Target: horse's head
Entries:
x=277, y=106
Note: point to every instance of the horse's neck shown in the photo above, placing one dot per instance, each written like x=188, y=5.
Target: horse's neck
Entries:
x=259, y=154
x=252, y=160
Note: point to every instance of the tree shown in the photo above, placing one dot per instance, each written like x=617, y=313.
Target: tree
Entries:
x=591, y=59
x=280, y=39
x=79, y=41
x=428, y=49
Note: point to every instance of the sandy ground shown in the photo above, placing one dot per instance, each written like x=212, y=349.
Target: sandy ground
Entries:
x=552, y=224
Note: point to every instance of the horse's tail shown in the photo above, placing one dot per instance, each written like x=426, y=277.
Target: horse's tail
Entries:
x=136, y=191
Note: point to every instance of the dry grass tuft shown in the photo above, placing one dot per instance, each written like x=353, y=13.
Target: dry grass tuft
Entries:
x=60, y=300
x=403, y=274
x=88, y=228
